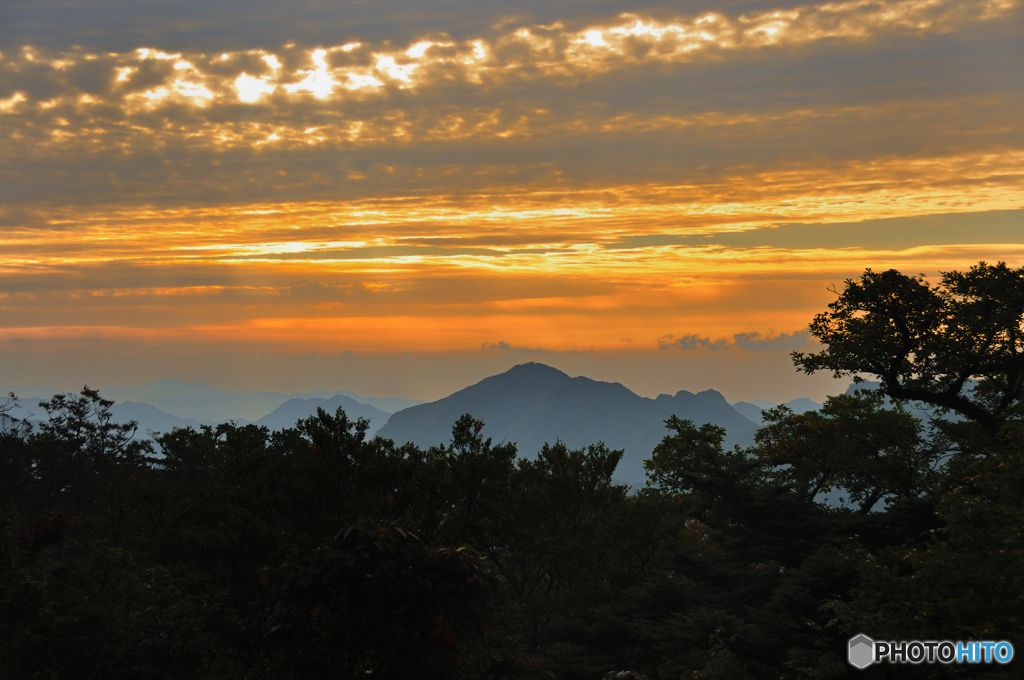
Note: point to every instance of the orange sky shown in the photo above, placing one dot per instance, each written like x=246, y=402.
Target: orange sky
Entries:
x=660, y=198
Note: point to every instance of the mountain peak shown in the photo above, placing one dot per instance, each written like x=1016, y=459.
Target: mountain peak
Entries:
x=713, y=395
x=533, y=403
x=534, y=368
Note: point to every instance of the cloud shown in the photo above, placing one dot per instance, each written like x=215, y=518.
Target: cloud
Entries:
x=301, y=97
x=890, y=233
x=692, y=341
x=744, y=341
x=504, y=346
x=507, y=347
x=634, y=116
x=428, y=178
x=115, y=24
x=757, y=341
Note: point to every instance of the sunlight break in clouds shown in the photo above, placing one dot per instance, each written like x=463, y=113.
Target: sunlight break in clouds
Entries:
x=618, y=185
x=251, y=89
x=317, y=81
x=553, y=52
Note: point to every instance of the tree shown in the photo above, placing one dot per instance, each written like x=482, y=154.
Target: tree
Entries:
x=854, y=444
x=958, y=345
x=559, y=554
x=375, y=601
x=16, y=470
x=963, y=579
x=464, y=487
x=61, y=463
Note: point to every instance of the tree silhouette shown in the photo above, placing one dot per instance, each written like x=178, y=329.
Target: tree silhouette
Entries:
x=927, y=343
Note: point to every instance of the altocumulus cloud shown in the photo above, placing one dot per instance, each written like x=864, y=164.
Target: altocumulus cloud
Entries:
x=358, y=94
x=747, y=341
x=508, y=347
x=757, y=341
x=430, y=177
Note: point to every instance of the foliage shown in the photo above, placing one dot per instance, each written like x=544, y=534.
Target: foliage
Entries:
x=374, y=602
x=926, y=343
x=853, y=444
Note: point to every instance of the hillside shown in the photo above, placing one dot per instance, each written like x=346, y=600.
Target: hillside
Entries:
x=289, y=412
x=752, y=409
x=531, y=404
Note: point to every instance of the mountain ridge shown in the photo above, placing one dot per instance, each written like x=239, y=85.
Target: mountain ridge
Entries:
x=152, y=420
x=205, y=404
x=288, y=413
x=532, y=404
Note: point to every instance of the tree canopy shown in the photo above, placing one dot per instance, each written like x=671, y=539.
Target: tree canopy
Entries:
x=957, y=345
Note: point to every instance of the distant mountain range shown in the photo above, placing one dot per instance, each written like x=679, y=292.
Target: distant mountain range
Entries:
x=752, y=409
x=200, y=402
x=168, y=404
x=150, y=418
x=289, y=412
x=529, y=404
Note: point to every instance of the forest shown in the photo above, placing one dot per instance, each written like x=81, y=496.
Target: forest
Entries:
x=316, y=552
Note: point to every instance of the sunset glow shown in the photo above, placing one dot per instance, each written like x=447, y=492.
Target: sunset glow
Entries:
x=584, y=184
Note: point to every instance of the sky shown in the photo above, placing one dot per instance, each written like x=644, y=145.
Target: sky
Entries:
x=402, y=198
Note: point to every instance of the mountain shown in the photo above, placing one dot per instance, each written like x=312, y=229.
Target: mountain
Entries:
x=752, y=409
x=216, y=406
x=532, y=404
x=26, y=392
x=388, y=405
x=26, y=408
x=200, y=402
x=151, y=420
x=920, y=410
x=289, y=412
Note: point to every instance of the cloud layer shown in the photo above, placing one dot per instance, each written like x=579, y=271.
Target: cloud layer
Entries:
x=573, y=178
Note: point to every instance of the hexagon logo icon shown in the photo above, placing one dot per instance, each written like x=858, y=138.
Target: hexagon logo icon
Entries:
x=861, y=652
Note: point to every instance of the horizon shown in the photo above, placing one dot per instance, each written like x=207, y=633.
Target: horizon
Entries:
x=23, y=391
x=565, y=409
x=403, y=200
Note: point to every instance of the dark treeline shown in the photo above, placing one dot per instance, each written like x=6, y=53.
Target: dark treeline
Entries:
x=314, y=552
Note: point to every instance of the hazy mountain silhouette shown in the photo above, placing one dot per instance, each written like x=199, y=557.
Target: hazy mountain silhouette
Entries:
x=387, y=404
x=197, y=401
x=752, y=409
x=289, y=412
x=150, y=419
x=919, y=410
x=751, y=412
x=532, y=404
x=208, y=404
x=802, y=405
